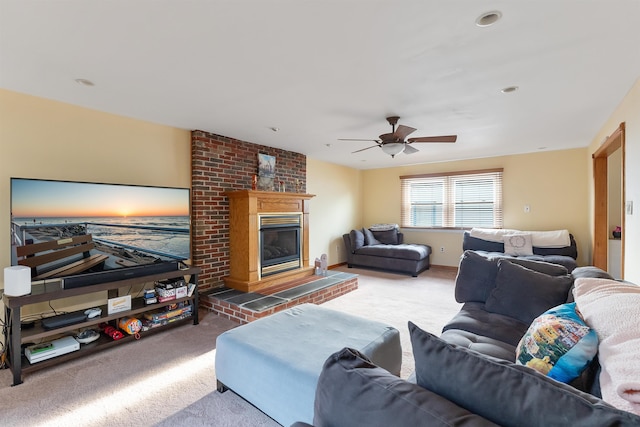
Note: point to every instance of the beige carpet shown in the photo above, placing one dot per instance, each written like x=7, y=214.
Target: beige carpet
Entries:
x=168, y=379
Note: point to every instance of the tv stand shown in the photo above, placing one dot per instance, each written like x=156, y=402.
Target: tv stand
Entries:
x=52, y=290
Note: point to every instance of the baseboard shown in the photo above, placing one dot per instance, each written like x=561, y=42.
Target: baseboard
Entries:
x=444, y=267
x=334, y=266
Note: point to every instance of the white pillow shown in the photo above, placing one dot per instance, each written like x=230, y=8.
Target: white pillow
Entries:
x=518, y=244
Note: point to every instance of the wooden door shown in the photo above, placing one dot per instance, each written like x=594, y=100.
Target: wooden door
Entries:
x=601, y=198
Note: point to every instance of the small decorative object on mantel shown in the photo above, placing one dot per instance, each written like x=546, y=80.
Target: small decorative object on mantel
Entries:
x=266, y=172
x=298, y=186
x=254, y=182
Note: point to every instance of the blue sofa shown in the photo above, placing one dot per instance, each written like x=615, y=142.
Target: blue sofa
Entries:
x=565, y=255
x=468, y=375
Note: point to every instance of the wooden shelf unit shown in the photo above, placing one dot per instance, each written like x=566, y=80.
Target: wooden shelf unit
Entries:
x=52, y=290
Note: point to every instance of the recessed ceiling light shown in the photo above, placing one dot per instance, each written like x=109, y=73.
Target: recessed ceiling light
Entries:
x=488, y=18
x=275, y=129
x=328, y=145
x=85, y=82
x=509, y=89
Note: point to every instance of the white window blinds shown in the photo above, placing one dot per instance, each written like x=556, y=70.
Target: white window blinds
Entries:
x=453, y=200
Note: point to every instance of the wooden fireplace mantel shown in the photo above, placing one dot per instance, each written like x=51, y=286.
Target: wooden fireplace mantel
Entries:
x=245, y=206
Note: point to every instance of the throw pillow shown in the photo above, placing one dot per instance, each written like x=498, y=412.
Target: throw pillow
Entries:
x=476, y=277
x=357, y=240
x=477, y=274
x=369, y=239
x=558, y=344
x=503, y=392
x=612, y=308
x=352, y=391
x=388, y=237
x=518, y=244
x=541, y=266
x=524, y=294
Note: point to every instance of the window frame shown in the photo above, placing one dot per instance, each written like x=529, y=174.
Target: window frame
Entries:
x=448, y=198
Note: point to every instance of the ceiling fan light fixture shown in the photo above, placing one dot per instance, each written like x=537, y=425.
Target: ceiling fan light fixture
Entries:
x=393, y=148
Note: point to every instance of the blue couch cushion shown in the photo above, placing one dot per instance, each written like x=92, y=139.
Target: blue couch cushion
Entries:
x=524, y=294
x=403, y=251
x=388, y=237
x=476, y=277
x=354, y=392
x=357, y=240
x=473, y=318
x=369, y=239
x=477, y=274
x=506, y=393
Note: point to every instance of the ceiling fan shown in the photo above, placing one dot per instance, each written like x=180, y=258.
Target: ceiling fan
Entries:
x=395, y=142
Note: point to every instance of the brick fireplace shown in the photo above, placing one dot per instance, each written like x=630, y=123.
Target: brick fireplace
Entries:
x=221, y=164
x=268, y=239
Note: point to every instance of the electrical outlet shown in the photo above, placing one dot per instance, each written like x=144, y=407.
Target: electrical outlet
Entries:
x=441, y=248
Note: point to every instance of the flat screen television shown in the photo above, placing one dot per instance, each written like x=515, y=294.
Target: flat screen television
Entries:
x=133, y=225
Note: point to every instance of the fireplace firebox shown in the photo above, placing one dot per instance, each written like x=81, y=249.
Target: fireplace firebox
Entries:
x=280, y=248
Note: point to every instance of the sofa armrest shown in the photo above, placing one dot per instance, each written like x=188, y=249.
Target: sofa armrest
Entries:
x=347, y=245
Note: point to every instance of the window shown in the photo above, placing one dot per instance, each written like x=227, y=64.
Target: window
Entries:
x=453, y=200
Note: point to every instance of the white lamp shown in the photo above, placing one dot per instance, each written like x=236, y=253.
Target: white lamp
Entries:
x=393, y=148
x=17, y=280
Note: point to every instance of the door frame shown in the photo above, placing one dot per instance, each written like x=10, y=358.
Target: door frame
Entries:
x=601, y=198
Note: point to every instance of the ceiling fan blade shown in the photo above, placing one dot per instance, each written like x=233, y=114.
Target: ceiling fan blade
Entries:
x=357, y=151
x=444, y=138
x=408, y=149
x=403, y=131
x=350, y=139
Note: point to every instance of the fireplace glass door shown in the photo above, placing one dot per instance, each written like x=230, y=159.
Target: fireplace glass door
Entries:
x=279, y=244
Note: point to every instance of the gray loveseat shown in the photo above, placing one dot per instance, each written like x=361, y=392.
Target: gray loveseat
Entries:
x=467, y=377
x=385, y=250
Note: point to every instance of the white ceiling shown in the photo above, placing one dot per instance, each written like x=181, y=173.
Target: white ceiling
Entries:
x=323, y=70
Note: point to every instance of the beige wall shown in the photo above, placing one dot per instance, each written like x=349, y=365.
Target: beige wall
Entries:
x=47, y=139
x=554, y=184
x=52, y=140
x=629, y=112
x=336, y=208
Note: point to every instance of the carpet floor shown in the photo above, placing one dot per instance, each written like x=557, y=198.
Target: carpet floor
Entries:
x=168, y=379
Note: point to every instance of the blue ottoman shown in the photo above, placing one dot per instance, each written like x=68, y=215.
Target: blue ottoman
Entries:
x=274, y=362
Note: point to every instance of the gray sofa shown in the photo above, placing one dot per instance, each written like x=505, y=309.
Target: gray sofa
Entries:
x=385, y=250
x=565, y=256
x=467, y=377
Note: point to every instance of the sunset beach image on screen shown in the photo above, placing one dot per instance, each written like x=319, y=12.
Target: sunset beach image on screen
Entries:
x=142, y=223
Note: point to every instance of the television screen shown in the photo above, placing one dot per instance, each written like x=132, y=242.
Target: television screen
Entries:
x=130, y=225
